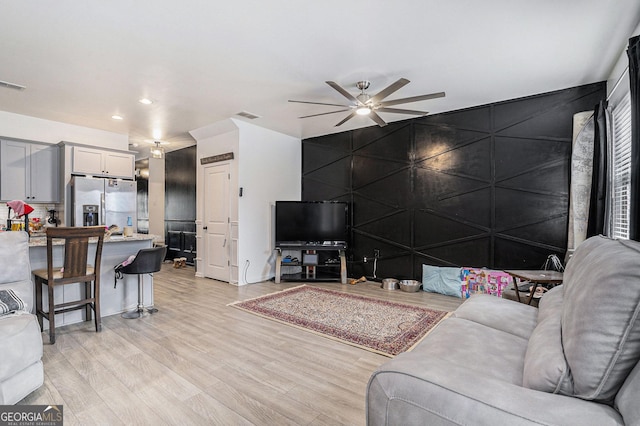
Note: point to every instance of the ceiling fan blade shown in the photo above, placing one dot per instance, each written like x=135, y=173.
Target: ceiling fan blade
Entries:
x=402, y=111
x=343, y=92
x=389, y=90
x=375, y=117
x=413, y=99
x=347, y=118
x=324, y=113
x=316, y=103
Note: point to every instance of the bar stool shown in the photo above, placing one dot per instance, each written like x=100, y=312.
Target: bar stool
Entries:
x=147, y=261
x=75, y=270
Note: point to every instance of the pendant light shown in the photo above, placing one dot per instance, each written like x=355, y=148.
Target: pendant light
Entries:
x=157, y=151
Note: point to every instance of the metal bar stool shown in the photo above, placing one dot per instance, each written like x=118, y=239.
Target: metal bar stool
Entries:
x=147, y=261
x=75, y=270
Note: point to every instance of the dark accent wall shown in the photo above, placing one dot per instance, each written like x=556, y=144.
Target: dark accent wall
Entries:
x=142, y=197
x=180, y=203
x=485, y=186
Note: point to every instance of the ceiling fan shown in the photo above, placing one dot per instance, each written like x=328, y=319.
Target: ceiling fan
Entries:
x=365, y=104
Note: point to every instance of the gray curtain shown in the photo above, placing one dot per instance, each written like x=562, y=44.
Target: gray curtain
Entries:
x=633, y=52
x=600, y=203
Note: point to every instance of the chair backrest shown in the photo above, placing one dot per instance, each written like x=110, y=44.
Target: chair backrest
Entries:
x=76, y=251
x=146, y=261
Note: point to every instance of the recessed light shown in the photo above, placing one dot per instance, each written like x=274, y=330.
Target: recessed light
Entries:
x=145, y=101
x=117, y=117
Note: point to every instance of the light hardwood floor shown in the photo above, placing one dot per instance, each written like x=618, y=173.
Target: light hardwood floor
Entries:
x=199, y=361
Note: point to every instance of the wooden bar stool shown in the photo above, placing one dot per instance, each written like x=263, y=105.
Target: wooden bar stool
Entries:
x=75, y=270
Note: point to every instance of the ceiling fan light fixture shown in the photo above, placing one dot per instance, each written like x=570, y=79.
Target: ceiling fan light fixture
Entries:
x=157, y=151
x=363, y=110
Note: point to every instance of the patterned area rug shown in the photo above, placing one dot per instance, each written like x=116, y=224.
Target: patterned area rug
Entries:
x=380, y=326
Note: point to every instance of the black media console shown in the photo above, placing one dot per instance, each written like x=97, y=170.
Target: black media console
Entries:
x=312, y=262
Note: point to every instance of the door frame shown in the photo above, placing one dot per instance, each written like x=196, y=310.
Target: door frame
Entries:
x=205, y=197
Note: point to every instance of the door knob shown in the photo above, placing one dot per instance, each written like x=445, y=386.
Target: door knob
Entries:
x=204, y=228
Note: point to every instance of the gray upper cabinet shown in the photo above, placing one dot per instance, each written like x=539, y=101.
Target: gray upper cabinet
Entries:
x=97, y=162
x=29, y=172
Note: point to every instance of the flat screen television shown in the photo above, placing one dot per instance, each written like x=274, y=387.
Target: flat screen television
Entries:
x=311, y=222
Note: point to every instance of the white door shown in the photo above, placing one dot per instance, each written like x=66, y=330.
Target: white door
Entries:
x=216, y=222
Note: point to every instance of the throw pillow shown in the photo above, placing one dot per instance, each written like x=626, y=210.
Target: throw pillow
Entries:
x=443, y=280
x=10, y=302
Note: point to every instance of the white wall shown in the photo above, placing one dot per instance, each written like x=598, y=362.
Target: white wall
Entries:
x=217, y=138
x=270, y=170
x=267, y=166
x=36, y=129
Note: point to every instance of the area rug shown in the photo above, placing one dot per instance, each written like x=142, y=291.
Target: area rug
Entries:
x=380, y=326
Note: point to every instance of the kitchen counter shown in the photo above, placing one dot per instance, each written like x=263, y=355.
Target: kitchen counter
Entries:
x=116, y=248
x=41, y=240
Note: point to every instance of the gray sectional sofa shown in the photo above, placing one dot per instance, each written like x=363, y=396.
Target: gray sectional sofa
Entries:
x=573, y=361
x=21, y=370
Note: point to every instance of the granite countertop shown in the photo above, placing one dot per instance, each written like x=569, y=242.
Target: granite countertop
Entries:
x=41, y=241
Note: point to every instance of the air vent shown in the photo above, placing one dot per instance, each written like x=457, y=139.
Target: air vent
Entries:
x=13, y=86
x=248, y=115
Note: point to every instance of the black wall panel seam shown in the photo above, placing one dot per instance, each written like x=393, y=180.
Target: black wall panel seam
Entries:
x=547, y=247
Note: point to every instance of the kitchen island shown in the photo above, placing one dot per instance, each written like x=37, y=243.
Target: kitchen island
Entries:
x=122, y=298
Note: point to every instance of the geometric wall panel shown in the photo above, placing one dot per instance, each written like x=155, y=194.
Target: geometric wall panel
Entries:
x=337, y=173
x=471, y=160
x=317, y=156
x=315, y=190
x=515, y=208
x=475, y=252
x=473, y=207
x=431, y=229
x=484, y=186
x=390, y=146
x=367, y=170
x=552, y=178
x=365, y=210
x=516, y=155
x=396, y=228
x=433, y=187
x=545, y=232
x=434, y=140
x=394, y=189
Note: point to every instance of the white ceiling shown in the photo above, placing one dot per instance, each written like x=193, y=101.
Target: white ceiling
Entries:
x=205, y=61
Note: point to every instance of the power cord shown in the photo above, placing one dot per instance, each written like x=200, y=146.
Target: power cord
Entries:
x=246, y=268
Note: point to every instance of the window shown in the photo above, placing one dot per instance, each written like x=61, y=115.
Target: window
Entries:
x=621, y=167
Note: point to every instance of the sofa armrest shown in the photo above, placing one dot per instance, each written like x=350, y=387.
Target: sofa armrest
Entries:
x=439, y=392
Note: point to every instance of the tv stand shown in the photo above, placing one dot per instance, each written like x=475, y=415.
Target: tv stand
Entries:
x=312, y=268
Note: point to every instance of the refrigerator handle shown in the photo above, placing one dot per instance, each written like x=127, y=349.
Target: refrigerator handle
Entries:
x=103, y=219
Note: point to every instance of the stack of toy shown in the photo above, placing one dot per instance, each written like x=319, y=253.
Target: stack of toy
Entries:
x=476, y=280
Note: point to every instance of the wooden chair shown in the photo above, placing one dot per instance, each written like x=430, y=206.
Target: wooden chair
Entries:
x=75, y=270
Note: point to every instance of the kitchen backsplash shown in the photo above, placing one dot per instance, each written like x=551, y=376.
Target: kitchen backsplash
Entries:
x=39, y=211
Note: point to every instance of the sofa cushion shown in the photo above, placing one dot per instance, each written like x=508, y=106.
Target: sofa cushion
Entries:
x=601, y=317
x=501, y=314
x=15, y=266
x=545, y=368
x=20, y=343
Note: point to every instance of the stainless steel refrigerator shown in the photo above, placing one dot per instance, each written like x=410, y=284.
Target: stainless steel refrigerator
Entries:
x=99, y=201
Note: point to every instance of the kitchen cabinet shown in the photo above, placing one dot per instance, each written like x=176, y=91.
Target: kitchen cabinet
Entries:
x=29, y=172
x=97, y=162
